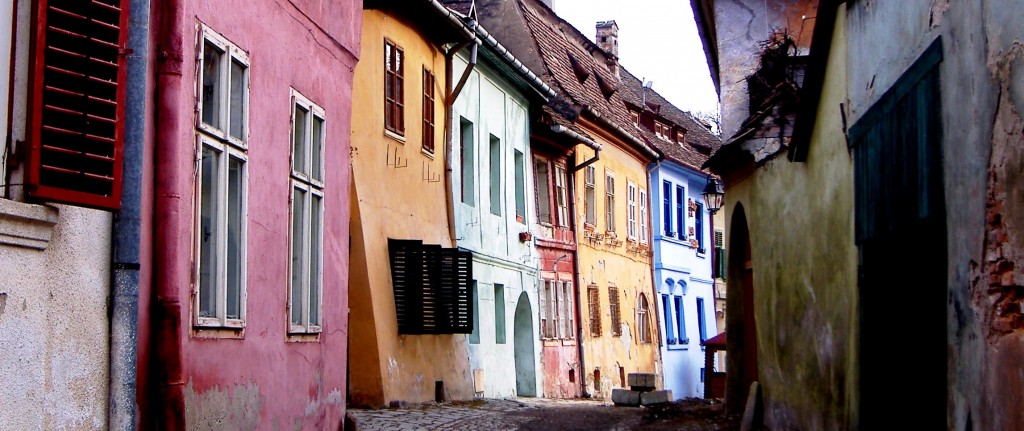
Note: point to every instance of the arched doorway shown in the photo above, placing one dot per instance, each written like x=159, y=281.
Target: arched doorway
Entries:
x=522, y=335
x=741, y=344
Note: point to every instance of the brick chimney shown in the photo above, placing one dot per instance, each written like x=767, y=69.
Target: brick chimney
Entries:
x=608, y=41
x=608, y=37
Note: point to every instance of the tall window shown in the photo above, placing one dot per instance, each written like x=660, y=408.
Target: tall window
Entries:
x=643, y=322
x=613, y=304
x=680, y=213
x=520, y=187
x=609, y=202
x=548, y=307
x=224, y=83
x=680, y=319
x=499, y=314
x=568, y=312
x=634, y=116
x=643, y=216
x=666, y=311
x=666, y=213
x=467, y=161
x=307, y=214
x=700, y=320
x=428, y=111
x=394, y=88
x=542, y=178
x=474, y=337
x=589, y=195
x=699, y=226
x=494, y=167
x=631, y=211
x=594, y=308
x=561, y=199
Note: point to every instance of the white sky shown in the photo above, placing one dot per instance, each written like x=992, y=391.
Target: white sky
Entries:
x=658, y=42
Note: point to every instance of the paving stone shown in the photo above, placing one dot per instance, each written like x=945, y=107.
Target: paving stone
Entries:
x=641, y=381
x=655, y=397
x=625, y=397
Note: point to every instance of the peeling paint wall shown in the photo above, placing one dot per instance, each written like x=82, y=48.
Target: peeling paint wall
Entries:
x=387, y=367
x=54, y=350
x=615, y=262
x=260, y=374
x=499, y=116
x=982, y=86
x=804, y=260
x=741, y=26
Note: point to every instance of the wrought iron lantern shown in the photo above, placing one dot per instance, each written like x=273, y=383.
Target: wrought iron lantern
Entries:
x=713, y=194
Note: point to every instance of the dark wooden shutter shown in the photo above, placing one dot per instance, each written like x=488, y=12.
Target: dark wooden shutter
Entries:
x=432, y=287
x=76, y=120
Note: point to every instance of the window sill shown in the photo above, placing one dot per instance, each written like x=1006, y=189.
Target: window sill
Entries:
x=678, y=347
x=394, y=136
x=426, y=152
x=303, y=337
x=218, y=332
x=26, y=225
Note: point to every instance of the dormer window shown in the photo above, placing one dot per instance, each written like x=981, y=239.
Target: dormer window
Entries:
x=681, y=136
x=663, y=131
x=635, y=116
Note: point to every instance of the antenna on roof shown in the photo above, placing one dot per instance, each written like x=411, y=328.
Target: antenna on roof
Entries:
x=643, y=92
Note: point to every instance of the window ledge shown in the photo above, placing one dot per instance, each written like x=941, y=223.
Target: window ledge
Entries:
x=394, y=136
x=26, y=225
x=303, y=337
x=426, y=152
x=218, y=332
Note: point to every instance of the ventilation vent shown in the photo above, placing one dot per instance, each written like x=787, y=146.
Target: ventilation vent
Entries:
x=607, y=88
x=577, y=68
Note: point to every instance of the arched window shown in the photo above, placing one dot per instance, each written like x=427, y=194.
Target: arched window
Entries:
x=643, y=323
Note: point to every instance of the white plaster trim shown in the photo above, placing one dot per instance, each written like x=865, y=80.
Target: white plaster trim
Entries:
x=26, y=225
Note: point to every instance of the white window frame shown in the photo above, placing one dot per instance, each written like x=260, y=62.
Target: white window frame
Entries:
x=630, y=211
x=609, y=200
x=590, y=199
x=228, y=147
x=561, y=196
x=312, y=248
x=232, y=53
x=567, y=310
x=643, y=216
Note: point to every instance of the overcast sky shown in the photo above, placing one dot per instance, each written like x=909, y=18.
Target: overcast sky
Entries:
x=658, y=42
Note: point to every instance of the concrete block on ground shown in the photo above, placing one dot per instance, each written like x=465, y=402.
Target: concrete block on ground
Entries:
x=655, y=397
x=625, y=397
x=641, y=381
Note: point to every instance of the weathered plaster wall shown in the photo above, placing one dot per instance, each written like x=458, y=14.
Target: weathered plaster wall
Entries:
x=982, y=103
x=285, y=381
x=386, y=366
x=54, y=351
x=678, y=261
x=741, y=26
x=559, y=357
x=499, y=257
x=804, y=259
x=603, y=263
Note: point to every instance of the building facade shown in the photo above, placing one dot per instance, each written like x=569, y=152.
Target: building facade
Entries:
x=250, y=204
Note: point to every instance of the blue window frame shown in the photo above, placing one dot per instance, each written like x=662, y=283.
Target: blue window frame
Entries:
x=680, y=215
x=699, y=227
x=670, y=333
x=680, y=319
x=667, y=212
x=700, y=320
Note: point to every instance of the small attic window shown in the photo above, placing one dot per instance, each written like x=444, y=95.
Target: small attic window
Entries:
x=577, y=68
x=607, y=89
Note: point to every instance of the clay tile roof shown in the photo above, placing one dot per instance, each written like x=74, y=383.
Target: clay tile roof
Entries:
x=700, y=142
x=560, y=45
x=460, y=6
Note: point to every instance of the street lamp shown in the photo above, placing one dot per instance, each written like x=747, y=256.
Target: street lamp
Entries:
x=713, y=193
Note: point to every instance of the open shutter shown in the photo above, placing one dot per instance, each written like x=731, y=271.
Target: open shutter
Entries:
x=76, y=124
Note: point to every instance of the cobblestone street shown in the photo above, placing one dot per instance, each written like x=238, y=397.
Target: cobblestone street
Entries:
x=539, y=414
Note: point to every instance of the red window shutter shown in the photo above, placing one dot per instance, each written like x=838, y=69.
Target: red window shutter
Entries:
x=76, y=119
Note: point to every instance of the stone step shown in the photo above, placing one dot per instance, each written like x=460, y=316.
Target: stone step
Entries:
x=641, y=382
x=625, y=397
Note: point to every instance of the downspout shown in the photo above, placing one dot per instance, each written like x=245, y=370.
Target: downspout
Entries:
x=576, y=274
x=450, y=96
x=124, y=322
x=168, y=211
x=558, y=128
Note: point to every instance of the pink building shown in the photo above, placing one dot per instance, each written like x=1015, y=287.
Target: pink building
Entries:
x=243, y=312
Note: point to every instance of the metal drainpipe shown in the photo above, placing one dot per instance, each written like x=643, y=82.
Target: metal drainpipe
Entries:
x=170, y=208
x=450, y=96
x=127, y=228
x=576, y=275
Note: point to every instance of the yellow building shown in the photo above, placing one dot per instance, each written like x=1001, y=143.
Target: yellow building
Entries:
x=399, y=193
